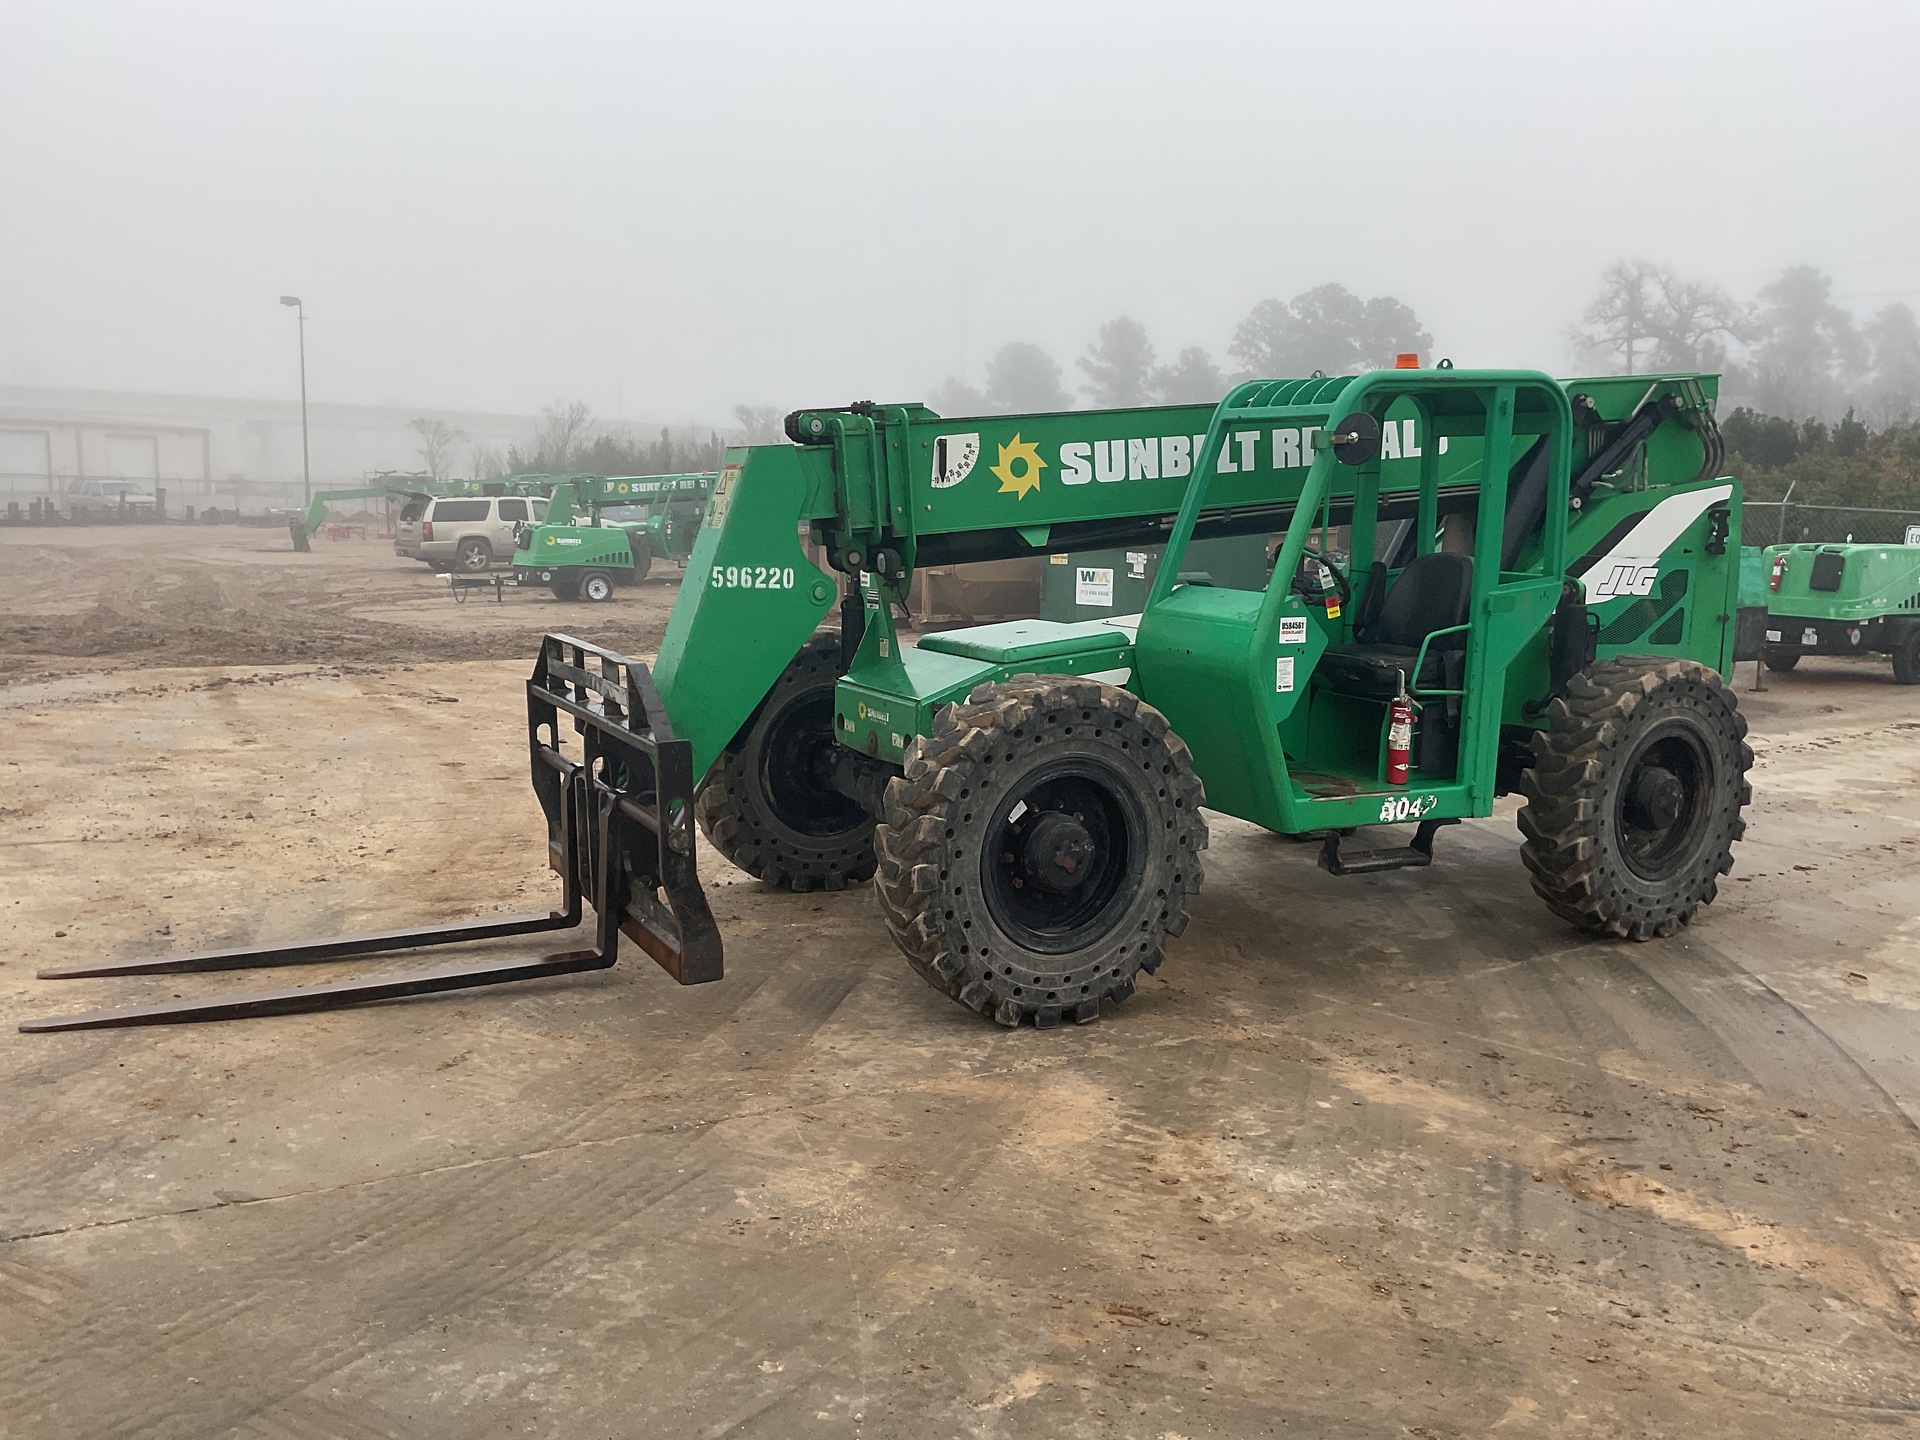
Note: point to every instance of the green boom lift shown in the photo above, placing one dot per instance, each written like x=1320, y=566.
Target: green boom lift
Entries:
x=1028, y=796
x=1844, y=600
x=605, y=530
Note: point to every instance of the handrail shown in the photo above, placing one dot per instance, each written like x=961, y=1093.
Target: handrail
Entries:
x=1420, y=660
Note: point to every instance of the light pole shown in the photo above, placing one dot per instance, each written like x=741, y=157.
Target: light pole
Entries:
x=306, y=456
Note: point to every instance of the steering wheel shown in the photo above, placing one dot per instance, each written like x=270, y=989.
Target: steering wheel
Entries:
x=1306, y=580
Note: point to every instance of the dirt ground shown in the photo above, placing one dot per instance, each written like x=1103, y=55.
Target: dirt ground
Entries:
x=1388, y=1155
x=76, y=599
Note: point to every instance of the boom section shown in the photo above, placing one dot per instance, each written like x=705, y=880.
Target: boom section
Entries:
x=916, y=489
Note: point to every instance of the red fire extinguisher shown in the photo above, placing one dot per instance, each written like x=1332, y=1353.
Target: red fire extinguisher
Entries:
x=1399, y=735
x=1779, y=571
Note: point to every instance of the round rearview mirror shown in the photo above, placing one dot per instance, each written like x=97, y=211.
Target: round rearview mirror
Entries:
x=1356, y=439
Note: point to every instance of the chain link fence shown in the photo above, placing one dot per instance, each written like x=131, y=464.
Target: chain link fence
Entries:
x=1775, y=522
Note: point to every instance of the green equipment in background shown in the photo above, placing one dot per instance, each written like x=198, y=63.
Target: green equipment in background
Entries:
x=1546, y=572
x=1843, y=600
x=604, y=531
x=303, y=526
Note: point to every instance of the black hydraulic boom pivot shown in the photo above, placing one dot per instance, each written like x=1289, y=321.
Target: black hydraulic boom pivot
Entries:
x=619, y=832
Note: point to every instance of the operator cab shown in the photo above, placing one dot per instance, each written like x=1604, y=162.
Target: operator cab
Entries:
x=1386, y=583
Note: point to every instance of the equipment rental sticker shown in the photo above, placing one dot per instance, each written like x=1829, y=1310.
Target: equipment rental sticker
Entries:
x=1293, y=630
x=1093, y=585
x=1283, y=674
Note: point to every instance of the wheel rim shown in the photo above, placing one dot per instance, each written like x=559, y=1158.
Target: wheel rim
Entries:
x=1061, y=852
x=1665, y=802
x=598, y=589
x=474, y=558
x=797, y=751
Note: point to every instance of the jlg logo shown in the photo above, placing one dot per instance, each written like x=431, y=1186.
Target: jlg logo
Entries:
x=1627, y=579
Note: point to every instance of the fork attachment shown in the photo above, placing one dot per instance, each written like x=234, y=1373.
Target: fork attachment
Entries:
x=619, y=833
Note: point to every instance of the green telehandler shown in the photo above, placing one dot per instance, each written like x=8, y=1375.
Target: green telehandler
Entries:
x=1489, y=581
x=603, y=531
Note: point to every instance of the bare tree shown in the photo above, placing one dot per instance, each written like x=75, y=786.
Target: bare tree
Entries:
x=1647, y=318
x=764, y=424
x=489, y=462
x=564, y=431
x=1617, y=326
x=438, y=441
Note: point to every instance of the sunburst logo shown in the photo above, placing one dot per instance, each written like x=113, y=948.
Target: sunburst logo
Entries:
x=1019, y=467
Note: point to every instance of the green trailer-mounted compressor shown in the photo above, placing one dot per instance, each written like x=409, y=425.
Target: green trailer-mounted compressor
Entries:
x=1843, y=600
x=1028, y=797
x=603, y=531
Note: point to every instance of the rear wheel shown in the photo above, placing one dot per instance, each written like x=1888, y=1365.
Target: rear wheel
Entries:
x=566, y=589
x=474, y=554
x=596, y=586
x=768, y=804
x=1634, y=796
x=1906, y=658
x=1780, y=661
x=1039, y=847
x=642, y=563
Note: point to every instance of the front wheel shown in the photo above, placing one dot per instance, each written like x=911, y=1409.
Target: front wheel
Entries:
x=474, y=555
x=769, y=804
x=1634, y=796
x=1039, y=847
x=642, y=563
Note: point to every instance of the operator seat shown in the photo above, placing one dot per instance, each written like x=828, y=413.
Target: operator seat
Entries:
x=1431, y=594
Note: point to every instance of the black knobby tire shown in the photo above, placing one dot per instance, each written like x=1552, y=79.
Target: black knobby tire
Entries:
x=474, y=554
x=1634, y=796
x=1906, y=657
x=642, y=562
x=1040, y=845
x=766, y=805
x=1780, y=661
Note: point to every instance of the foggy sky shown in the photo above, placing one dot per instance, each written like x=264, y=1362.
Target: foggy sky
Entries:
x=665, y=211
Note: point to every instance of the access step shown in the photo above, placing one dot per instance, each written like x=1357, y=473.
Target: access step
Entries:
x=1417, y=853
